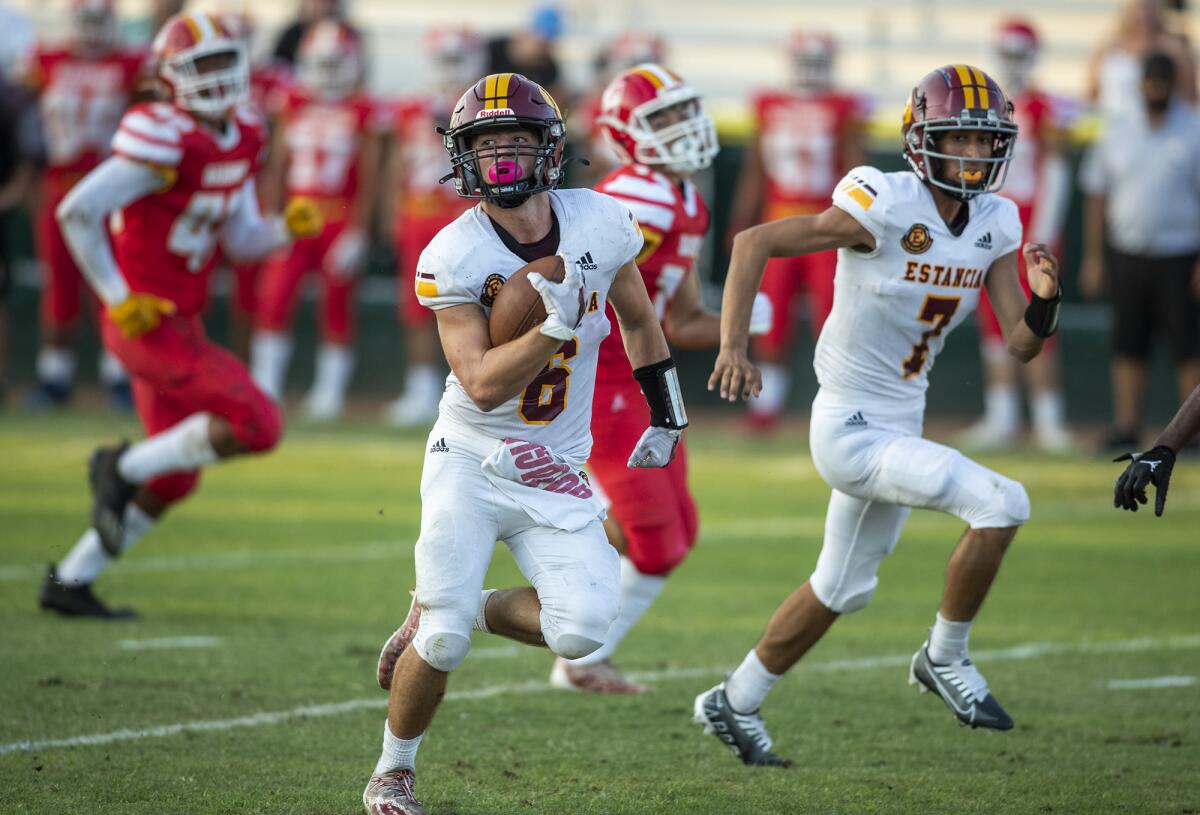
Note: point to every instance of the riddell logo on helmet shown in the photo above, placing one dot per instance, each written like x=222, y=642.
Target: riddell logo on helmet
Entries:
x=494, y=113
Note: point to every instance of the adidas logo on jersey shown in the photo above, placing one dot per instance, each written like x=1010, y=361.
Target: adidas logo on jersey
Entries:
x=439, y=446
x=985, y=241
x=856, y=420
x=586, y=263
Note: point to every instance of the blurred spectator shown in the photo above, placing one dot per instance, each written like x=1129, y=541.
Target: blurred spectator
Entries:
x=1142, y=238
x=21, y=153
x=1114, y=73
x=1038, y=181
x=141, y=30
x=808, y=136
x=311, y=11
x=530, y=52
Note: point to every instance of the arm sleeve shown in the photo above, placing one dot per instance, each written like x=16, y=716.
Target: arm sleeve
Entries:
x=112, y=186
x=246, y=234
x=862, y=195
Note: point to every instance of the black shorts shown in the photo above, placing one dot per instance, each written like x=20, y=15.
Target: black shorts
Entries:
x=1153, y=295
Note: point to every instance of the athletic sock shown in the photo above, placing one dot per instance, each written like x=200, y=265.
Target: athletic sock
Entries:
x=270, y=352
x=398, y=754
x=481, y=623
x=948, y=640
x=776, y=382
x=638, y=593
x=88, y=558
x=1047, y=410
x=185, y=446
x=748, y=686
x=56, y=367
x=112, y=372
x=1002, y=408
x=335, y=364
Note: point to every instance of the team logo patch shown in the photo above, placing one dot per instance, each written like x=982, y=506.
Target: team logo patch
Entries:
x=491, y=287
x=916, y=240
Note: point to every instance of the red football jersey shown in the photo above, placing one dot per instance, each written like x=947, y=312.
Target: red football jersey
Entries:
x=1038, y=116
x=800, y=139
x=674, y=220
x=424, y=162
x=81, y=101
x=164, y=243
x=324, y=140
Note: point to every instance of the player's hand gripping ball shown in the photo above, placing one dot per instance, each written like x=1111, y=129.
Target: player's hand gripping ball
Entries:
x=139, y=313
x=303, y=217
x=519, y=306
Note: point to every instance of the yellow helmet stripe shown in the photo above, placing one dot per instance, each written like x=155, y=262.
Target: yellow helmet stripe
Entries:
x=193, y=28
x=981, y=80
x=489, y=91
x=651, y=77
x=968, y=85
x=502, y=88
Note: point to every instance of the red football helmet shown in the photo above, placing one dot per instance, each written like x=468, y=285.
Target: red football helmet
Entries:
x=93, y=24
x=330, y=61
x=958, y=97
x=203, y=65
x=1016, y=45
x=496, y=102
x=457, y=55
x=636, y=122
x=812, y=54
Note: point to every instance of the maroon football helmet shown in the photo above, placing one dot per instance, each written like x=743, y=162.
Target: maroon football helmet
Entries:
x=958, y=97
x=496, y=102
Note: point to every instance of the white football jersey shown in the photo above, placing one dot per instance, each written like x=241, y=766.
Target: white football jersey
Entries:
x=468, y=263
x=894, y=306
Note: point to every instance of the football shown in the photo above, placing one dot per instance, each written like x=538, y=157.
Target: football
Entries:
x=517, y=307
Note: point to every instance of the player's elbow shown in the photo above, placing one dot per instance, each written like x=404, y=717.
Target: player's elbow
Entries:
x=486, y=396
x=1022, y=353
x=72, y=211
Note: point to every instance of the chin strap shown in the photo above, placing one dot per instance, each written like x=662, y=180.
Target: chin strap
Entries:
x=660, y=384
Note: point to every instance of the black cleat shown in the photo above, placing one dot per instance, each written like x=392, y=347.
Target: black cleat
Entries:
x=963, y=689
x=77, y=601
x=110, y=495
x=743, y=733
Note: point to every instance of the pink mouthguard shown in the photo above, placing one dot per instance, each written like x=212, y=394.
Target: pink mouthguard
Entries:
x=504, y=172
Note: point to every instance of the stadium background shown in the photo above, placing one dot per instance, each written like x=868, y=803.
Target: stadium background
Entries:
x=726, y=54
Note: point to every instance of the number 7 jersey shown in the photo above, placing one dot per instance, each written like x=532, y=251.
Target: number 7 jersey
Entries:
x=164, y=243
x=894, y=306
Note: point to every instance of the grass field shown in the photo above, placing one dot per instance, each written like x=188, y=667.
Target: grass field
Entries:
x=248, y=685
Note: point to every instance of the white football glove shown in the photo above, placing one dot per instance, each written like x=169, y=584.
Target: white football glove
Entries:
x=564, y=301
x=655, y=448
x=347, y=254
x=762, y=315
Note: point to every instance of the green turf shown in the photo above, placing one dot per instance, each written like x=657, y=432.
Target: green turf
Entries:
x=300, y=564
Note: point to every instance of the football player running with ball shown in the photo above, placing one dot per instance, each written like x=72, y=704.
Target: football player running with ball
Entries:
x=506, y=453
x=655, y=123
x=914, y=250
x=180, y=181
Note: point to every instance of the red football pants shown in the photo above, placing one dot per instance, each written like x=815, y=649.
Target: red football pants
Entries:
x=783, y=280
x=63, y=287
x=280, y=285
x=653, y=507
x=176, y=372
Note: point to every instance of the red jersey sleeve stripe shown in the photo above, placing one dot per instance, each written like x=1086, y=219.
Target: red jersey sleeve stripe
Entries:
x=149, y=128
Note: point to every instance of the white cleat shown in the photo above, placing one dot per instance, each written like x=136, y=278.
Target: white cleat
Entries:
x=599, y=677
x=323, y=407
x=1054, y=439
x=392, y=794
x=394, y=647
x=414, y=409
x=985, y=435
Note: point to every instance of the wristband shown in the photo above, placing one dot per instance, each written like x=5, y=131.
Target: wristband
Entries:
x=660, y=384
x=1042, y=315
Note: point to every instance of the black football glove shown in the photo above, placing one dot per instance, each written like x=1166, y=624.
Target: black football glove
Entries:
x=1152, y=467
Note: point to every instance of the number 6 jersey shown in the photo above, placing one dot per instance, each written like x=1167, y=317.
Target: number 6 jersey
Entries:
x=894, y=306
x=164, y=243
x=468, y=263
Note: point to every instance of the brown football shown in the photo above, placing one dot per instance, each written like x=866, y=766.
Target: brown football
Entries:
x=518, y=307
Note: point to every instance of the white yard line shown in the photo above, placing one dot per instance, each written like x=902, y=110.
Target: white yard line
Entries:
x=1025, y=651
x=1151, y=683
x=167, y=643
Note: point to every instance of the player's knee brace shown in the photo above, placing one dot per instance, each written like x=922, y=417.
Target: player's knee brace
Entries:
x=848, y=594
x=174, y=487
x=574, y=627
x=441, y=650
x=988, y=499
x=444, y=635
